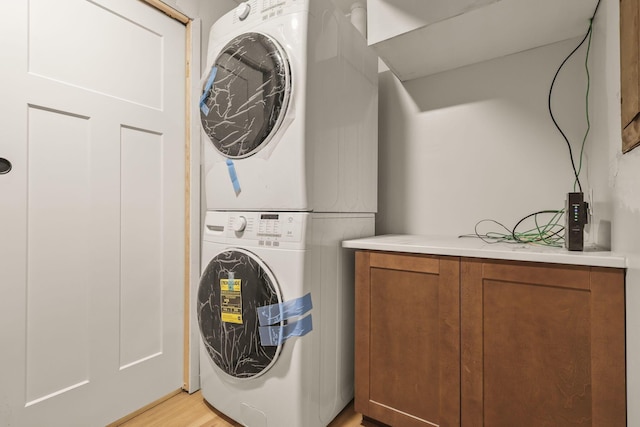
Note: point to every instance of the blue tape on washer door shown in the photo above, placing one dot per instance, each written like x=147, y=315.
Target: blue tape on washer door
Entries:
x=276, y=313
x=233, y=176
x=231, y=280
x=203, y=98
x=276, y=335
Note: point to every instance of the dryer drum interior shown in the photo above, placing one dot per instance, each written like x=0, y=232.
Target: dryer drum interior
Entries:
x=227, y=312
x=249, y=96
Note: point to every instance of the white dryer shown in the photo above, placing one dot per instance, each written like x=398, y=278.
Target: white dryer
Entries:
x=289, y=110
x=292, y=366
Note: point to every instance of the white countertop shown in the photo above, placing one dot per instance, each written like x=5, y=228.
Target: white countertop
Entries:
x=476, y=248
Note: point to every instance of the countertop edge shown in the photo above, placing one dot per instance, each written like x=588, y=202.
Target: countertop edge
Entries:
x=462, y=248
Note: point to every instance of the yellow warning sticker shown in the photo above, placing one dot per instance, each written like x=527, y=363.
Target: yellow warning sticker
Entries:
x=230, y=301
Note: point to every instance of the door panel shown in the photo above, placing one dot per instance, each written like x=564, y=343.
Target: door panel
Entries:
x=59, y=197
x=543, y=347
x=92, y=212
x=82, y=56
x=140, y=246
x=407, y=340
x=536, y=354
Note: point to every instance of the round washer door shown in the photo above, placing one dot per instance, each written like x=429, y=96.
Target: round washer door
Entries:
x=234, y=284
x=246, y=96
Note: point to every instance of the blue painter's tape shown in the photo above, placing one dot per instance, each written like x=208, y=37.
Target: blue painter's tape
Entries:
x=207, y=88
x=276, y=313
x=233, y=176
x=276, y=335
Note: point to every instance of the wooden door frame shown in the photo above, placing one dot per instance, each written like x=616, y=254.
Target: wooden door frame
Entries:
x=189, y=252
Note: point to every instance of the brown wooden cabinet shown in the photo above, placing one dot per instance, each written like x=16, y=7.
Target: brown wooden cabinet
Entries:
x=542, y=345
x=408, y=339
x=469, y=342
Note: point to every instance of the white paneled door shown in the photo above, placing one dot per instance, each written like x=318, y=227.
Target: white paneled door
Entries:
x=92, y=106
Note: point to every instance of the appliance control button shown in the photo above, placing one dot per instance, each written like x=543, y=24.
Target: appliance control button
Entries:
x=243, y=10
x=240, y=224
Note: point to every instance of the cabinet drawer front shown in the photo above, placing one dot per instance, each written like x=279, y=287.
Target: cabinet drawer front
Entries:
x=563, y=276
x=415, y=263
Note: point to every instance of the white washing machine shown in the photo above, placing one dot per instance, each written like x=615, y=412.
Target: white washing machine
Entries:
x=275, y=309
x=289, y=110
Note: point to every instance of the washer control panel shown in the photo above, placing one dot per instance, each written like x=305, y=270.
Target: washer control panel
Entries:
x=271, y=8
x=268, y=229
x=275, y=227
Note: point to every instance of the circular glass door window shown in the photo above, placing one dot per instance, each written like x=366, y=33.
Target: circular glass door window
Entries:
x=246, y=95
x=232, y=287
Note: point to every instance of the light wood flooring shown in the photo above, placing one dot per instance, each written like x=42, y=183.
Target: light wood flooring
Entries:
x=185, y=410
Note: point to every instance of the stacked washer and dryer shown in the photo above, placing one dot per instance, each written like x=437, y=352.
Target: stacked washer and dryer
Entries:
x=289, y=117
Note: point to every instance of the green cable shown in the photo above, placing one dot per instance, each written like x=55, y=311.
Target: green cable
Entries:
x=545, y=234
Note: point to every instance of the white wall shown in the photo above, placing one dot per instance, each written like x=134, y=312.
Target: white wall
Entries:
x=477, y=142
x=623, y=184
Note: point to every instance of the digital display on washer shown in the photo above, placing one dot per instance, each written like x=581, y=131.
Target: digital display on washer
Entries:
x=269, y=216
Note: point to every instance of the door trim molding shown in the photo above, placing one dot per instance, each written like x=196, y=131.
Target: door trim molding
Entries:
x=165, y=8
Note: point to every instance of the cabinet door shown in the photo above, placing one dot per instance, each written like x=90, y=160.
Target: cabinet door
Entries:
x=542, y=345
x=408, y=339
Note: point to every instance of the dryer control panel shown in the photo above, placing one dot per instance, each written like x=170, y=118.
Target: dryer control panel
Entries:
x=263, y=10
x=263, y=229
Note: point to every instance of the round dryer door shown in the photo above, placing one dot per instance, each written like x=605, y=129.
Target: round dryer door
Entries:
x=246, y=95
x=234, y=284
